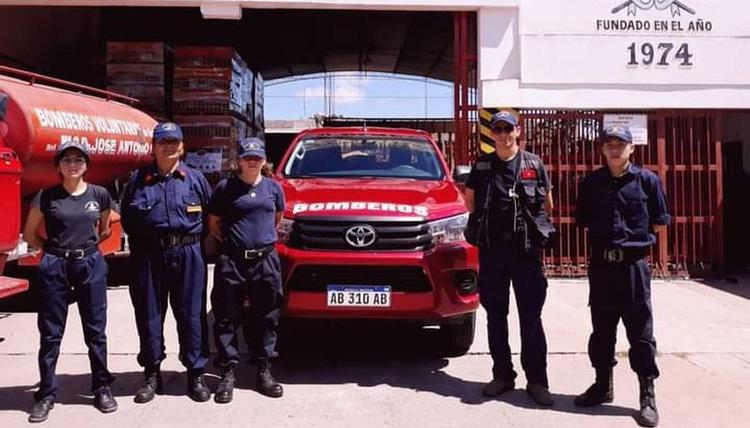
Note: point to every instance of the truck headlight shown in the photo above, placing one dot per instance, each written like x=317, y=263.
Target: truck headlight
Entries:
x=284, y=231
x=449, y=229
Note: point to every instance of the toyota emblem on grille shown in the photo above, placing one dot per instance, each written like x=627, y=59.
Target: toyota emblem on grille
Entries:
x=360, y=236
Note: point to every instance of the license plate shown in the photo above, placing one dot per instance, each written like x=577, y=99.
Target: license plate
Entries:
x=359, y=296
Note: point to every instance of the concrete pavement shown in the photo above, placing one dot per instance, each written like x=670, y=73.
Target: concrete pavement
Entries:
x=341, y=375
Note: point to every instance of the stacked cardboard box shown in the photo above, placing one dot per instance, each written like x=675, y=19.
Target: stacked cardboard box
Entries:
x=213, y=100
x=211, y=80
x=213, y=135
x=142, y=70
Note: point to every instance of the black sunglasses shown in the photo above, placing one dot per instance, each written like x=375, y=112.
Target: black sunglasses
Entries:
x=507, y=129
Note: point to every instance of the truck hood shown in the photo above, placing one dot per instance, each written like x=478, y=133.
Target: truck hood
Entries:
x=372, y=197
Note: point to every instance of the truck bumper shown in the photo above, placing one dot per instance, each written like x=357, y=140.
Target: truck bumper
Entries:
x=428, y=286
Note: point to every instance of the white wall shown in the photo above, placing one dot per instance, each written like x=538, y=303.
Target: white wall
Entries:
x=502, y=82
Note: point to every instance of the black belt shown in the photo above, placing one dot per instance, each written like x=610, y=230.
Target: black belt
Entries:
x=620, y=255
x=71, y=254
x=248, y=253
x=170, y=240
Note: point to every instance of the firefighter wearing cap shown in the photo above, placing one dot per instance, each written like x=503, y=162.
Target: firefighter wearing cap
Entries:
x=76, y=216
x=243, y=215
x=164, y=208
x=621, y=204
x=499, y=182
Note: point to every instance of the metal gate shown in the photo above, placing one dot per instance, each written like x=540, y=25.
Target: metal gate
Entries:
x=683, y=149
x=465, y=94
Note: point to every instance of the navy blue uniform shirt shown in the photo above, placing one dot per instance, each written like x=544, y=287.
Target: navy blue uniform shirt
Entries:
x=248, y=213
x=154, y=204
x=620, y=212
x=72, y=221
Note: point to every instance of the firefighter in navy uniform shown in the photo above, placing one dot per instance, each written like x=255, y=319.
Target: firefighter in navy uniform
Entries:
x=76, y=216
x=621, y=204
x=164, y=209
x=498, y=184
x=244, y=213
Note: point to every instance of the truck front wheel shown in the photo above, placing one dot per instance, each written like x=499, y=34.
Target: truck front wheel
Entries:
x=457, y=334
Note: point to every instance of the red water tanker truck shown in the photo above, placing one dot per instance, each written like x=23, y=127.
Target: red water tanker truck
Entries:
x=38, y=113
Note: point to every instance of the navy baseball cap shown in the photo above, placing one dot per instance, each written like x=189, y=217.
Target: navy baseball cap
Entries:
x=62, y=148
x=167, y=131
x=253, y=146
x=619, y=132
x=504, y=117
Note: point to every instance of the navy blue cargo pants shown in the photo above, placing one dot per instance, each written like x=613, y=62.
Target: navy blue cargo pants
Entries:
x=500, y=266
x=622, y=291
x=246, y=293
x=61, y=281
x=176, y=275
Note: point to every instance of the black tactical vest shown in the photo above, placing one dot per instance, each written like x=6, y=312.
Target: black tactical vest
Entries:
x=529, y=183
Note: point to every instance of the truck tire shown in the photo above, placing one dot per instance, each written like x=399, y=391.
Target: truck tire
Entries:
x=457, y=335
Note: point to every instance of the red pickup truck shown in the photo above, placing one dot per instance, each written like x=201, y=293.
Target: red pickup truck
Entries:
x=373, y=229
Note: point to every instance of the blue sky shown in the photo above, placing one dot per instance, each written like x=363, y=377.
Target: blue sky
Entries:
x=374, y=95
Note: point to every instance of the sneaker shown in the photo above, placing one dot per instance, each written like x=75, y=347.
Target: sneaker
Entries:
x=540, y=394
x=497, y=387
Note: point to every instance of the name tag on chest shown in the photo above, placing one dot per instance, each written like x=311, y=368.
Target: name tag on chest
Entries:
x=191, y=209
x=483, y=166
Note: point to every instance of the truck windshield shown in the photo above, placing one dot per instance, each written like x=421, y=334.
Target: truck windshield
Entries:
x=364, y=156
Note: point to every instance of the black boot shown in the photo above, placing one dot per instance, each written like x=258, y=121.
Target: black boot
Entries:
x=104, y=401
x=600, y=392
x=152, y=385
x=225, y=390
x=40, y=410
x=196, y=387
x=648, y=416
x=266, y=384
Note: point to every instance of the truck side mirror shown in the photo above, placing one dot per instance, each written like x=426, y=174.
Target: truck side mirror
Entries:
x=461, y=173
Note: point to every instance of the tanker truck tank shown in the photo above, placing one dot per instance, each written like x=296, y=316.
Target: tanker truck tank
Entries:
x=39, y=117
x=34, y=119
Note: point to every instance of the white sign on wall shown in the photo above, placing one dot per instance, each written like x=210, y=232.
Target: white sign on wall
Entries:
x=205, y=160
x=663, y=42
x=637, y=123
